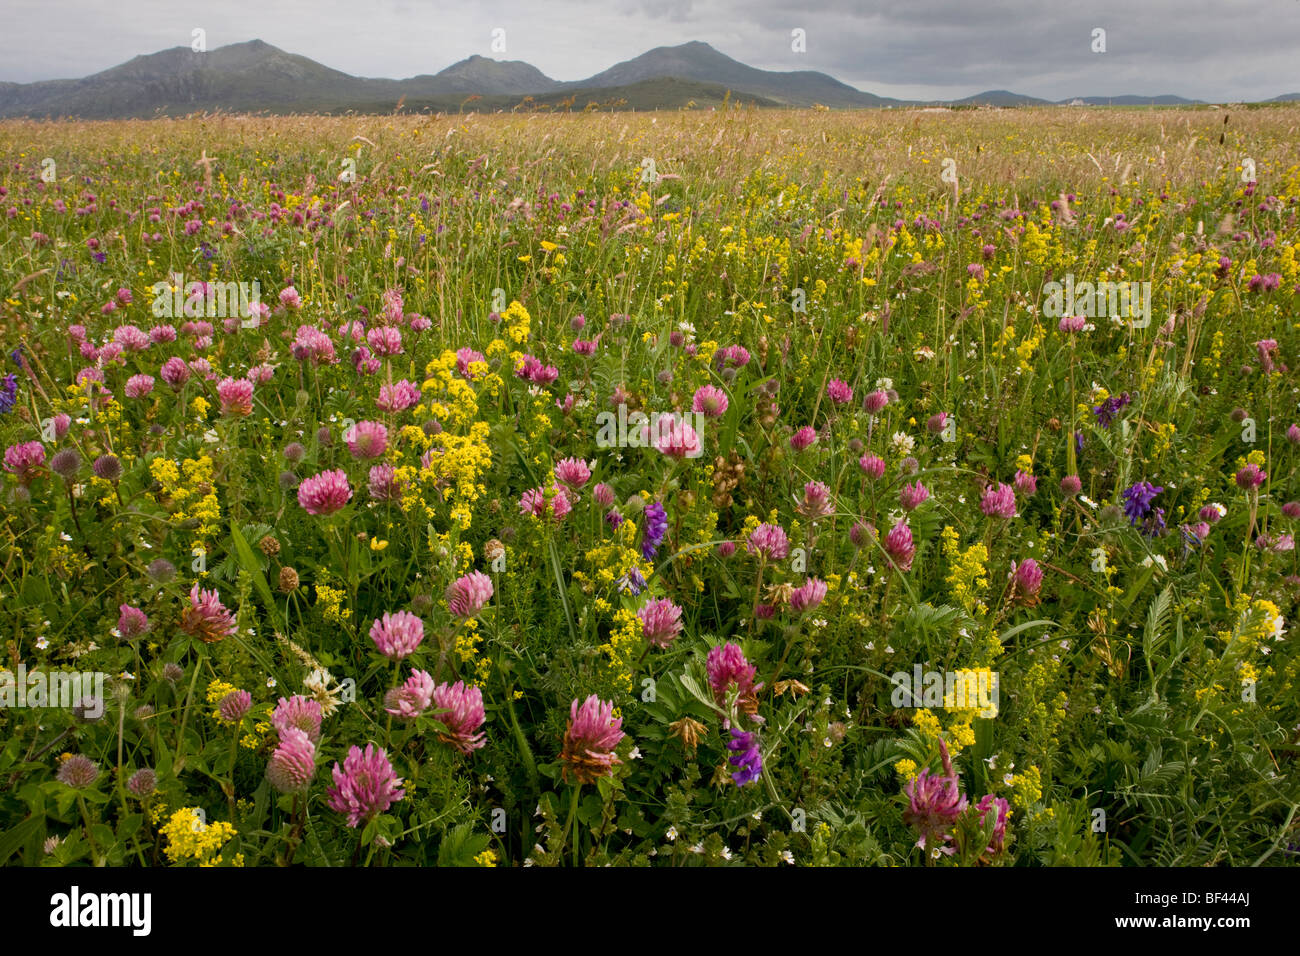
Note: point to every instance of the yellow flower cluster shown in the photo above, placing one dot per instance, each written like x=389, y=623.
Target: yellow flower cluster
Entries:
x=330, y=601
x=620, y=650
x=467, y=647
x=460, y=468
x=967, y=571
x=518, y=323
x=190, y=839
x=1027, y=788
x=182, y=485
x=453, y=400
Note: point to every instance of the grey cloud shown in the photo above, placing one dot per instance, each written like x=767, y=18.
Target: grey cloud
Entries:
x=1209, y=49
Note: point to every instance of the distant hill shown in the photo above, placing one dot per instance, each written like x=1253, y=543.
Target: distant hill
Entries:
x=701, y=62
x=1166, y=99
x=257, y=77
x=1000, y=98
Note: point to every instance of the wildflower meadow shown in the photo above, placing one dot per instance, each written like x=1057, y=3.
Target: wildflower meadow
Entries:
x=691, y=488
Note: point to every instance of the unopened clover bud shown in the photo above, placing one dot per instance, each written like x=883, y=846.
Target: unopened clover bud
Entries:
x=66, y=464
x=288, y=580
x=142, y=783
x=269, y=546
x=108, y=467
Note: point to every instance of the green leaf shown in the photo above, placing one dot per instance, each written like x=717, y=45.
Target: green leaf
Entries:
x=16, y=836
x=250, y=564
x=461, y=845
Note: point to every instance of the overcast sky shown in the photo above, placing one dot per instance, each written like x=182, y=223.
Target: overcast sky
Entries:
x=922, y=49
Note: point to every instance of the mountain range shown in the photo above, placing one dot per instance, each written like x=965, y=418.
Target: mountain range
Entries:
x=257, y=77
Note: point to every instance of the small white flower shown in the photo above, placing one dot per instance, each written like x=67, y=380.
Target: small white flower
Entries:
x=65, y=536
x=1008, y=778
x=672, y=833
x=635, y=754
x=42, y=643
x=787, y=857
x=270, y=682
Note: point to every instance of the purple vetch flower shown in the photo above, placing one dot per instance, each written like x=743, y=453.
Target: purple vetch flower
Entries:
x=1138, y=498
x=8, y=392
x=654, y=527
x=632, y=583
x=745, y=757
x=1108, y=409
